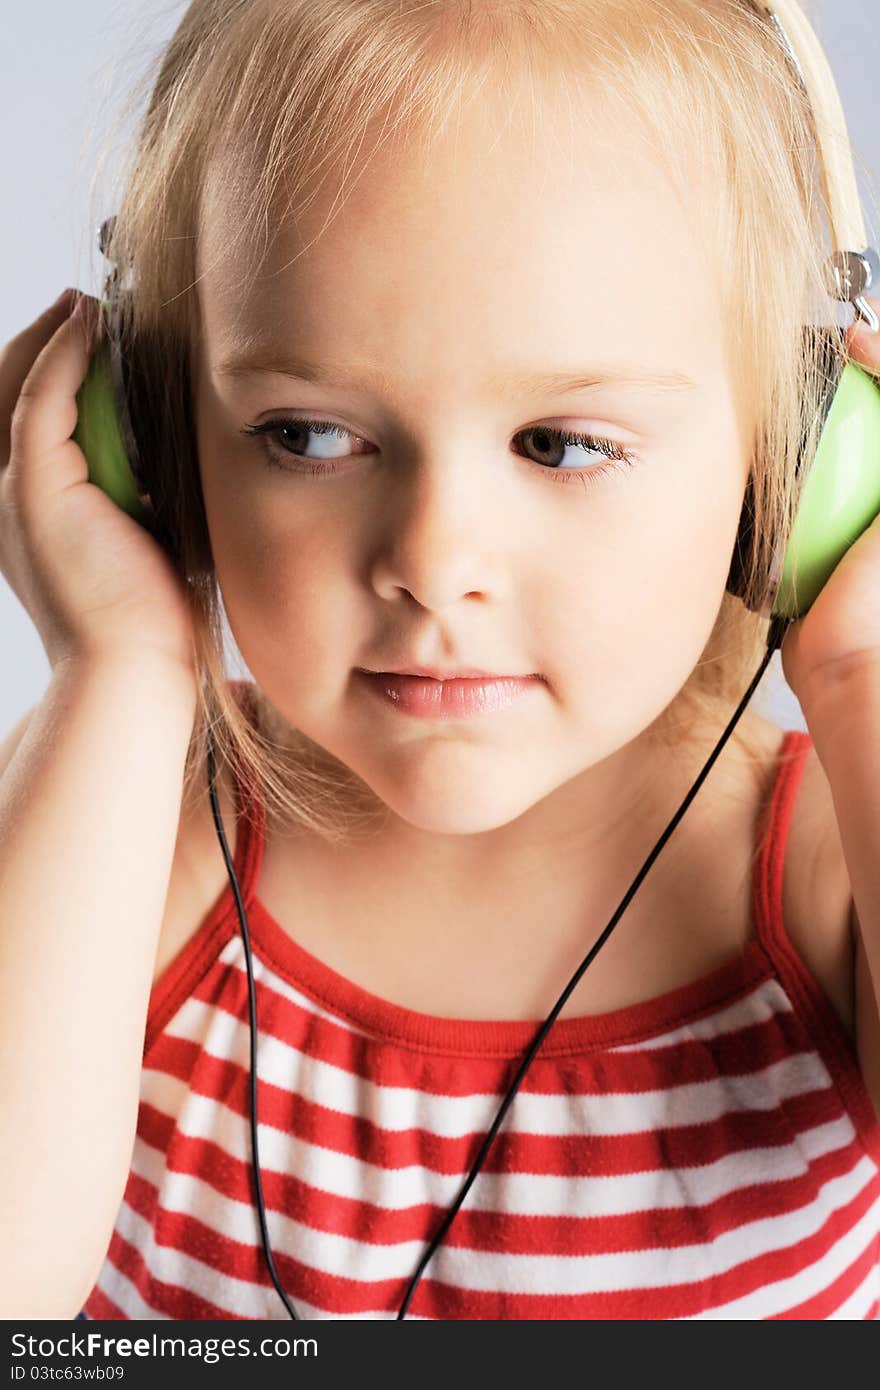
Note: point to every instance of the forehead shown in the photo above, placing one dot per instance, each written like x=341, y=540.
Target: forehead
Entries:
x=499, y=239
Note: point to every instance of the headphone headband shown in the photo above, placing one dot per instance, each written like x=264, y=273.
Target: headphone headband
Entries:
x=853, y=265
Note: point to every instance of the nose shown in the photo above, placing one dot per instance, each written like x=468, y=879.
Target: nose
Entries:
x=439, y=538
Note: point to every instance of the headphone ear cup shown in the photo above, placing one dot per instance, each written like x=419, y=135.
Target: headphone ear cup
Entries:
x=136, y=421
x=122, y=350
x=129, y=375
x=741, y=560
x=839, y=493
x=142, y=389
x=102, y=428
x=118, y=426
x=157, y=376
x=826, y=347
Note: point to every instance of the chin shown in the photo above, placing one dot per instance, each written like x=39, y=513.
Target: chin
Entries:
x=457, y=820
x=445, y=804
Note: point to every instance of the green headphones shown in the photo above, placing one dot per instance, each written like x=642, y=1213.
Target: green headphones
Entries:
x=838, y=491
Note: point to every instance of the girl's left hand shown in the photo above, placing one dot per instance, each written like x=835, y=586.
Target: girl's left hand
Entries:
x=840, y=633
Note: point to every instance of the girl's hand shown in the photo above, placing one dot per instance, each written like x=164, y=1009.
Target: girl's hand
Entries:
x=839, y=636
x=95, y=583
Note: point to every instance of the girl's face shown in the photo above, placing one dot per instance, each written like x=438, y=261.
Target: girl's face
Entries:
x=450, y=526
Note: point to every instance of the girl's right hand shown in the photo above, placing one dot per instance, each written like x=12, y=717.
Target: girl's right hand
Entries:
x=95, y=583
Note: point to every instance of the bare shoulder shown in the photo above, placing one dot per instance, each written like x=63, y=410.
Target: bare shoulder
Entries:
x=817, y=897
x=198, y=871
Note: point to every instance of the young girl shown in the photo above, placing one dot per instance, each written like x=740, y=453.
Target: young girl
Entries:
x=460, y=333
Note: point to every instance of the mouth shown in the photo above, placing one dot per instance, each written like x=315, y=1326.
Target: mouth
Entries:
x=455, y=697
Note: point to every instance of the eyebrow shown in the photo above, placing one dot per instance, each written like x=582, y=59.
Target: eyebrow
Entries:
x=255, y=363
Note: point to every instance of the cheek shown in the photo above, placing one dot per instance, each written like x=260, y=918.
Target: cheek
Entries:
x=265, y=547
x=286, y=571
x=290, y=598
x=633, y=605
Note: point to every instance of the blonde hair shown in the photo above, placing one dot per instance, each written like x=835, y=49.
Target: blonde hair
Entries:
x=266, y=97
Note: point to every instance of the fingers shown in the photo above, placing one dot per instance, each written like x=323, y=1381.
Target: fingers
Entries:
x=862, y=344
x=44, y=414
x=18, y=354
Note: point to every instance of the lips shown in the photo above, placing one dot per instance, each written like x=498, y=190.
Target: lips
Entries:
x=457, y=698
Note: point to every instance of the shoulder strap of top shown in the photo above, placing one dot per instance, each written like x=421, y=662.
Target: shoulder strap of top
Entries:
x=823, y=1028
x=774, y=826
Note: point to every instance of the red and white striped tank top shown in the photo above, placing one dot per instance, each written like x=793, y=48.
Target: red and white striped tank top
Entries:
x=712, y=1152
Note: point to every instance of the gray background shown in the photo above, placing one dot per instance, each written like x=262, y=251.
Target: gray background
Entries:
x=62, y=65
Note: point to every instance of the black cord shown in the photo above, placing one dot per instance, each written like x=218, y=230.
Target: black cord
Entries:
x=778, y=628
x=252, y=1002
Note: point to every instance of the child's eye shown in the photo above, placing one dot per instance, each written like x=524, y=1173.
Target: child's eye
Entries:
x=547, y=452
x=552, y=445
x=297, y=429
